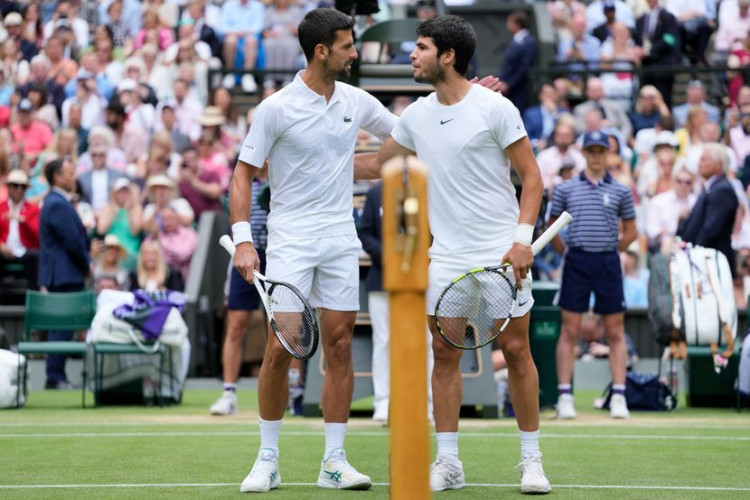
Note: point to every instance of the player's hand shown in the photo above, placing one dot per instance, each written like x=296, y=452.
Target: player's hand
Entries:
x=491, y=82
x=246, y=261
x=520, y=257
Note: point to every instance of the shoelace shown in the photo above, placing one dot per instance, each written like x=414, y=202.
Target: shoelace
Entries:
x=533, y=460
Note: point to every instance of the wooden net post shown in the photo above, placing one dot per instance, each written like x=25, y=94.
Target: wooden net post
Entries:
x=406, y=239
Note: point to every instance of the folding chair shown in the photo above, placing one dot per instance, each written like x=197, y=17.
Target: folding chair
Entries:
x=67, y=312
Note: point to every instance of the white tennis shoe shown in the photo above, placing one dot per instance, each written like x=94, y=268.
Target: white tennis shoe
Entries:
x=336, y=473
x=446, y=474
x=565, y=407
x=225, y=405
x=533, y=479
x=618, y=407
x=264, y=475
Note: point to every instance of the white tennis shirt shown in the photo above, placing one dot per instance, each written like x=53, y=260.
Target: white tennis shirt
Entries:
x=310, y=148
x=472, y=206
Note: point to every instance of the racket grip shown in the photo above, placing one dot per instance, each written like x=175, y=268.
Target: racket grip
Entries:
x=552, y=231
x=226, y=242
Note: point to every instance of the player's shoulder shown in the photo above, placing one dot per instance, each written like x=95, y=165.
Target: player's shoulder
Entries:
x=491, y=98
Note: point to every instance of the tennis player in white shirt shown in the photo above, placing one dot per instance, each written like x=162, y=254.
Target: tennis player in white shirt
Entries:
x=469, y=137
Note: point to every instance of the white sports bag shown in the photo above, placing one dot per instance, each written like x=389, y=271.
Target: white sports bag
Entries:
x=9, y=382
x=704, y=297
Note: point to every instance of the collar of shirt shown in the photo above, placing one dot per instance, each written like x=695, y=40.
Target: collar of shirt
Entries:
x=711, y=181
x=62, y=192
x=520, y=36
x=310, y=94
x=607, y=178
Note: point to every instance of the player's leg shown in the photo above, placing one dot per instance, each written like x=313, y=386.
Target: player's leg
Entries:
x=610, y=303
x=335, y=290
x=575, y=291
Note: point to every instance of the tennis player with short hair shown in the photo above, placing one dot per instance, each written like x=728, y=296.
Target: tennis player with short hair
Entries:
x=308, y=131
x=469, y=137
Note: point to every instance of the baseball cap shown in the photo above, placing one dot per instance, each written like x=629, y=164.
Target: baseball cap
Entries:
x=25, y=105
x=13, y=19
x=121, y=183
x=608, y=5
x=595, y=138
x=127, y=84
x=18, y=177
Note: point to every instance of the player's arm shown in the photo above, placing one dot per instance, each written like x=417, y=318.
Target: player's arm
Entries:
x=366, y=166
x=391, y=149
x=240, y=201
x=522, y=158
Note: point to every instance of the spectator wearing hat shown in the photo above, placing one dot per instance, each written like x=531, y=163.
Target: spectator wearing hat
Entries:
x=140, y=115
x=595, y=13
x=658, y=33
x=123, y=216
x=110, y=256
x=66, y=12
x=13, y=24
x=604, y=30
x=212, y=145
x=129, y=136
x=162, y=192
x=201, y=188
x=40, y=74
x=597, y=203
x=97, y=183
x=235, y=127
x=666, y=210
x=655, y=175
x=135, y=69
x=695, y=95
x=92, y=104
x=19, y=228
x=30, y=136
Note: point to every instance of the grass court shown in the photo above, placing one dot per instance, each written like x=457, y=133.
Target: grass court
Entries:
x=53, y=448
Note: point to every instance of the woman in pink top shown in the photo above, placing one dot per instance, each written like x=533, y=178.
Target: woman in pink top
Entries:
x=152, y=27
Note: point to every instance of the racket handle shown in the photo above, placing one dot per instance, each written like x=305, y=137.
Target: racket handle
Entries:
x=228, y=245
x=552, y=231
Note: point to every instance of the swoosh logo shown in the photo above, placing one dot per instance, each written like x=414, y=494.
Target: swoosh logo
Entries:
x=443, y=122
x=521, y=304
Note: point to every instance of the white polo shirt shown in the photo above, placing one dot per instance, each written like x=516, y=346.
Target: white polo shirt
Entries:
x=310, y=149
x=472, y=205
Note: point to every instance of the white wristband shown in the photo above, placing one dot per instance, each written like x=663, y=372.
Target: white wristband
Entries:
x=524, y=234
x=241, y=233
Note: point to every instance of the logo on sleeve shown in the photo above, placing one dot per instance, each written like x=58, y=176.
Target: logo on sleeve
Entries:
x=443, y=122
x=347, y=119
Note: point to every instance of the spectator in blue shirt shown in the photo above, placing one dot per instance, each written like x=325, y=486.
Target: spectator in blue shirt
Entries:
x=241, y=24
x=582, y=50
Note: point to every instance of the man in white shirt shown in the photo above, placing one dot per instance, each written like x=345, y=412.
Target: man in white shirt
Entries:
x=666, y=210
x=307, y=131
x=469, y=137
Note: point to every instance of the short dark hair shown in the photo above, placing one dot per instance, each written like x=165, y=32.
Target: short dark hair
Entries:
x=51, y=168
x=320, y=27
x=520, y=18
x=451, y=32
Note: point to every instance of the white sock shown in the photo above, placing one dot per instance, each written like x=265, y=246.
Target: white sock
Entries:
x=529, y=443
x=269, y=434
x=335, y=435
x=447, y=444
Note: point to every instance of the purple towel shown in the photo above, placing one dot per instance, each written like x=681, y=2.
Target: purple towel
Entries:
x=149, y=311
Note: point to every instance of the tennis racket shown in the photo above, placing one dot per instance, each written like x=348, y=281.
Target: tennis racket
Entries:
x=292, y=318
x=477, y=306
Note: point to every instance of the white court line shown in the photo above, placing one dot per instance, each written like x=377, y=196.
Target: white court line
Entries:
x=544, y=435
x=473, y=485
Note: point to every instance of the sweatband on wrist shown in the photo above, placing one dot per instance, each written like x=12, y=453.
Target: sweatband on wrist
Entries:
x=241, y=233
x=524, y=234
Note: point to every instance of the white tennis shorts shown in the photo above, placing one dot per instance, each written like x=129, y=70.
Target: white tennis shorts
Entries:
x=442, y=273
x=325, y=270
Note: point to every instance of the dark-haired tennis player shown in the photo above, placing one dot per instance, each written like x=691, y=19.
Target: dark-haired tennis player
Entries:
x=469, y=137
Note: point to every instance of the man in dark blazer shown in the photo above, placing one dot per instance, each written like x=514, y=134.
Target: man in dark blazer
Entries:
x=658, y=32
x=64, y=261
x=517, y=60
x=712, y=218
x=540, y=120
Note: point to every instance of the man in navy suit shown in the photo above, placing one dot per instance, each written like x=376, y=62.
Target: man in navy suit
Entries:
x=711, y=221
x=64, y=256
x=517, y=60
x=658, y=32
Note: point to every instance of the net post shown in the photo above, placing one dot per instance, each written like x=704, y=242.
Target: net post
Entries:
x=406, y=239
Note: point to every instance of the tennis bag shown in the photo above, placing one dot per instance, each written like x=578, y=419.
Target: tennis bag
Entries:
x=644, y=391
x=703, y=292
x=661, y=301
x=10, y=385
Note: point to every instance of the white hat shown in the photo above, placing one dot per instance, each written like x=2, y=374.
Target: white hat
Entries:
x=127, y=84
x=666, y=138
x=159, y=180
x=120, y=183
x=18, y=177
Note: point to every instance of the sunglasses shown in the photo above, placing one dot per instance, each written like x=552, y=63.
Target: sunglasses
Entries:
x=16, y=186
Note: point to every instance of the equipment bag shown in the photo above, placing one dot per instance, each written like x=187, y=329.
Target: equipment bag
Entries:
x=660, y=300
x=12, y=390
x=644, y=391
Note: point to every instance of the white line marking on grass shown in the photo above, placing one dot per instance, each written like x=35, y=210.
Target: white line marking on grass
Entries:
x=513, y=435
x=474, y=485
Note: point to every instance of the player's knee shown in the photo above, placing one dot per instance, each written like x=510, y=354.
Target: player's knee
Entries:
x=339, y=346
x=444, y=353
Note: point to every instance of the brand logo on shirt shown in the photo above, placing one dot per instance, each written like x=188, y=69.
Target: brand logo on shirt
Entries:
x=347, y=119
x=443, y=122
x=605, y=199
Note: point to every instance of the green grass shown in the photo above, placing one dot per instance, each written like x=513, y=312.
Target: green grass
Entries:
x=52, y=441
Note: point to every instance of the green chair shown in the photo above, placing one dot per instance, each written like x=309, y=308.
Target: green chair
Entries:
x=60, y=312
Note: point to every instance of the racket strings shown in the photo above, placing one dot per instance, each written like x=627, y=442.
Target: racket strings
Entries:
x=295, y=322
x=475, y=308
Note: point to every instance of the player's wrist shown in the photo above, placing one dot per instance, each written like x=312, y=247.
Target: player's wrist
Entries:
x=524, y=234
x=241, y=233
